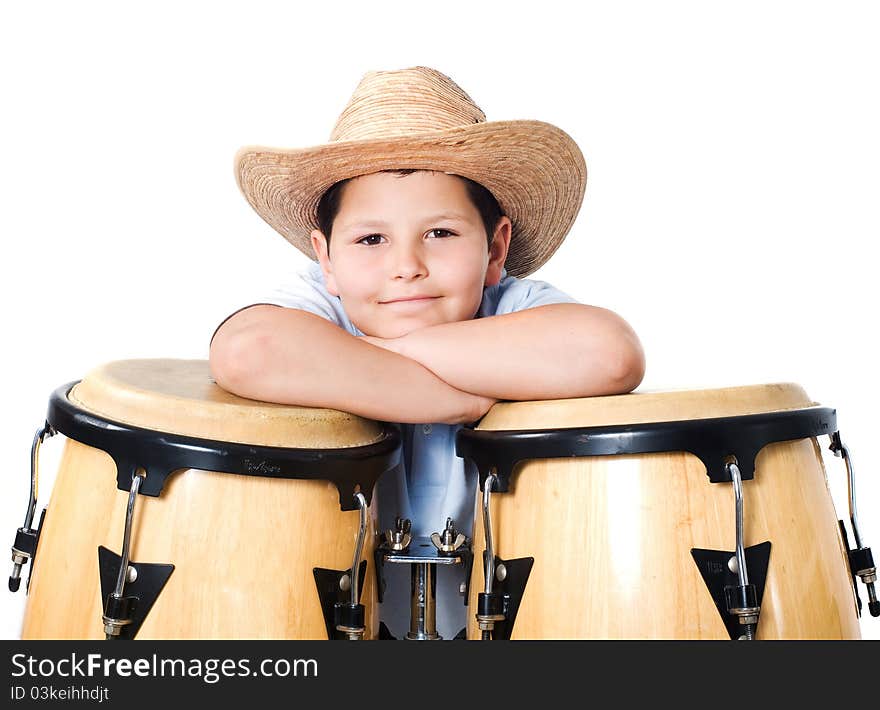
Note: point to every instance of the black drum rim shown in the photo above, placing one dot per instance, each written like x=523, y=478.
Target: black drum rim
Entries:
x=712, y=440
x=160, y=453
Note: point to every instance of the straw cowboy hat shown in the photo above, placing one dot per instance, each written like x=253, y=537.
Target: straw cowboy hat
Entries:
x=419, y=118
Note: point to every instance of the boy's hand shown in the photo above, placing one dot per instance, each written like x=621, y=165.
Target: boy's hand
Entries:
x=482, y=405
x=476, y=405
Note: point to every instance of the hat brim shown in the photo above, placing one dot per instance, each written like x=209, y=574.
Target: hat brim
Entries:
x=535, y=171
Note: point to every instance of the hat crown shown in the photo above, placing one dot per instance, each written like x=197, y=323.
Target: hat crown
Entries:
x=390, y=104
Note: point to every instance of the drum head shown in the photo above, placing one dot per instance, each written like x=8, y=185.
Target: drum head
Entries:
x=181, y=397
x=645, y=407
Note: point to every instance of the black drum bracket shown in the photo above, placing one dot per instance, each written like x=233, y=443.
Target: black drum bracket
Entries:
x=379, y=562
x=511, y=589
x=853, y=571
x=330, y=593
x=144, y=590
x=36, y=546
x=467, y=559
x=160, y=454
x=710, y=440
x=719, y=578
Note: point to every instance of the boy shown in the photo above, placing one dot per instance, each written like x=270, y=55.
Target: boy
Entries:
x=421, y=216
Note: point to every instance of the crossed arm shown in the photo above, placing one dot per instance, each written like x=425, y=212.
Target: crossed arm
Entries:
x=446, y=373
x=548, y=352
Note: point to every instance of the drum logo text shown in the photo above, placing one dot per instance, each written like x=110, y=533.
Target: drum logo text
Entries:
x=261, y=467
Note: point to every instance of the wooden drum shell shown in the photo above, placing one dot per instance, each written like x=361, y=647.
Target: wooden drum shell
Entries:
x=611, y=537
x=243, y=547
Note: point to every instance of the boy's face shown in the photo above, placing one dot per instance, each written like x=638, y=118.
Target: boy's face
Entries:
x=409, y=236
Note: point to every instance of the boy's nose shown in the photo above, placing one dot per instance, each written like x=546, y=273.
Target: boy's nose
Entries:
x=409, y=263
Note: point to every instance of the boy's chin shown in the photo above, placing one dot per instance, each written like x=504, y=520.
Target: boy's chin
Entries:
x=391, y=331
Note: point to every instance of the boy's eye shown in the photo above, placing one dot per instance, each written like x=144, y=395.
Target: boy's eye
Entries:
x=375, y=239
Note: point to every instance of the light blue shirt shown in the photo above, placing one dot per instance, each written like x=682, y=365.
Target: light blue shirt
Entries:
x=432, y=483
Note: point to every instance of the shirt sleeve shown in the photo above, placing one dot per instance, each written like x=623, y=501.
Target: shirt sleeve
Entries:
x=305, y=291
x=512, y=294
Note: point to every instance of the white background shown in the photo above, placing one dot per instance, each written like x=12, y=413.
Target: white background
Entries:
x=730, y=214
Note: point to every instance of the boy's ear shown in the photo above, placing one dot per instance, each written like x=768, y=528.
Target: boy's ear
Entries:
x=319, y=244
x=498, y=251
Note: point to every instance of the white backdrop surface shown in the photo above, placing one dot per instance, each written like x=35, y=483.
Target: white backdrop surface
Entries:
x=730, y=215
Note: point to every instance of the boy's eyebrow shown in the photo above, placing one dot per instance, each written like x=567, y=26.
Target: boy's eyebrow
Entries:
x=380, y=224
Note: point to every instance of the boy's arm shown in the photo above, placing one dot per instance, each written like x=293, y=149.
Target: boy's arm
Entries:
x=289, y=356
x=547, y=352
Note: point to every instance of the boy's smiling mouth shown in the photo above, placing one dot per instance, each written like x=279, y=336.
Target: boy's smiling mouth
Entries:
x=411, y=299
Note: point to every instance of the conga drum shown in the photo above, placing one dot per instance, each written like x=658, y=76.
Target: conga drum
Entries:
x=181, y=511
x=701, y=514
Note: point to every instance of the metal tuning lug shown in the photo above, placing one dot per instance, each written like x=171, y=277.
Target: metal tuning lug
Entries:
x=349, y=616
x=25, y=546
x=861, y=561
x=742, y=600
x=450, y=541
x=119, y=609
x=490, y=603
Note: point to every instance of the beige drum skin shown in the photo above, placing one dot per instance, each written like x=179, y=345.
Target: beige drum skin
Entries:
x=612, y=535
x=243, y=547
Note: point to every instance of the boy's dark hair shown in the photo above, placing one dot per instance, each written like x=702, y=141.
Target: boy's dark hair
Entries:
x=483, y=200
